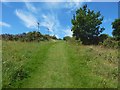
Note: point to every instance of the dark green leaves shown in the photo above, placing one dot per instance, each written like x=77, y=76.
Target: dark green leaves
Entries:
x=86, y=25
x=116, y=27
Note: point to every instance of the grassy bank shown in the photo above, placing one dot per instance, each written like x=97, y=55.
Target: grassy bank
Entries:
x=58, y=64
x=20, y=59
x=93, y=66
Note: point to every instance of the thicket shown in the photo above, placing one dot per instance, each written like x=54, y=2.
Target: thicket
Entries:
x=86, y=26
x=72, y=40
x=27, y=37
x=110, y=43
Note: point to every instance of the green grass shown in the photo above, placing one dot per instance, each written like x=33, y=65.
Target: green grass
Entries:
x=58, y=65
x=25, y=56
x=91, y=67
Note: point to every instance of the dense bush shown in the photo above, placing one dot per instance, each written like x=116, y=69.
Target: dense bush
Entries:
x=111, y=43
x=72, y=40
x=27, y=37
x=103, y=37
x=66, y=38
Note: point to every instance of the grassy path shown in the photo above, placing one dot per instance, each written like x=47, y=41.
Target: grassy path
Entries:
x=55, y=70
x=58, y=65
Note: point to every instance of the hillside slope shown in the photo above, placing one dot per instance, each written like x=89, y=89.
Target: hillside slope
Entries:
x=58, y=65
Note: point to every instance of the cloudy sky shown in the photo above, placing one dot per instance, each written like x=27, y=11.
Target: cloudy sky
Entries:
x=19, y=17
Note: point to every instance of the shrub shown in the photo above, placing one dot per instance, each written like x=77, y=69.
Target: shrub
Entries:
x=19, y=75
x=72, y=40
x=103, y=37
x=110, y=43
x=27, y=37
x=66, y=38
x=54, y=37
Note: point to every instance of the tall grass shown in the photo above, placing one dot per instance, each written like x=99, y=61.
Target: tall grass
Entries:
x=88, y=66
x=19, y=59
x=93, y=66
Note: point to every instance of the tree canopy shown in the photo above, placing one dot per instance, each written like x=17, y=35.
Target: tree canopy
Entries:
x=103, y=37
x=86, y=25
x=116, y=29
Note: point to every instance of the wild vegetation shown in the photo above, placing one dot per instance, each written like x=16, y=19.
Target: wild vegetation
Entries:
x=89, y=59
x=86, y=25
x=58, y=64
x=27, y=37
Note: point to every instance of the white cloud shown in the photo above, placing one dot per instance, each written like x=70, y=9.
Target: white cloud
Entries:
x=57, y=36
x=4, y=0
x=107, y=20
x=78, y=0
x=51, y=22
x=58, y=0
x=68, y=32
x=30, y=7
x=73, y=5
x=4, y=24
x=27, y=18
x=52, y=0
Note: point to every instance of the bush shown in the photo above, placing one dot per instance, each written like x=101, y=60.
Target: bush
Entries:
x=103, y=37
x=66, y=38
x=27, y=37
x=54, y=37
x=110, y=43
x=19, y=75
x=72, y=40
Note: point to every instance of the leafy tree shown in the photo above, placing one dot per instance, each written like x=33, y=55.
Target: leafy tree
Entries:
x=86, y=25
x=103, y=37
x=116, y=29
x=66, y=38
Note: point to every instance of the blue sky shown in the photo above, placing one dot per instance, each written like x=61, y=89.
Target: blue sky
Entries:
x=19, y=17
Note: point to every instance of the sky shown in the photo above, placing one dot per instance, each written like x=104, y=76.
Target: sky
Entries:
x=19, y=17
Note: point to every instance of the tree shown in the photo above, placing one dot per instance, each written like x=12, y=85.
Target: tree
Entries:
x=116, y=29
x=66, y=38
x=103, y=37
x=86, y=25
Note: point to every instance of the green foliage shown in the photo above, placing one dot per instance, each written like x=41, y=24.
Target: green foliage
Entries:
x=72, y=40
x=103, y=37
x=27, y=37
x=58, y=64
x=92, y=64
x=54, y=37
x=47, y=37
x=86, y=25
x=110, y=43
x=20, y=59
x=66, y=38
x=19, y=75
x=116, y=29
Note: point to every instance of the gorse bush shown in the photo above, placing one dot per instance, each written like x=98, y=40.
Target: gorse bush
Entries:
x=27, y=37
x=103, y=37
x=110, y=43
x=66, y=38
x=72, y=40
